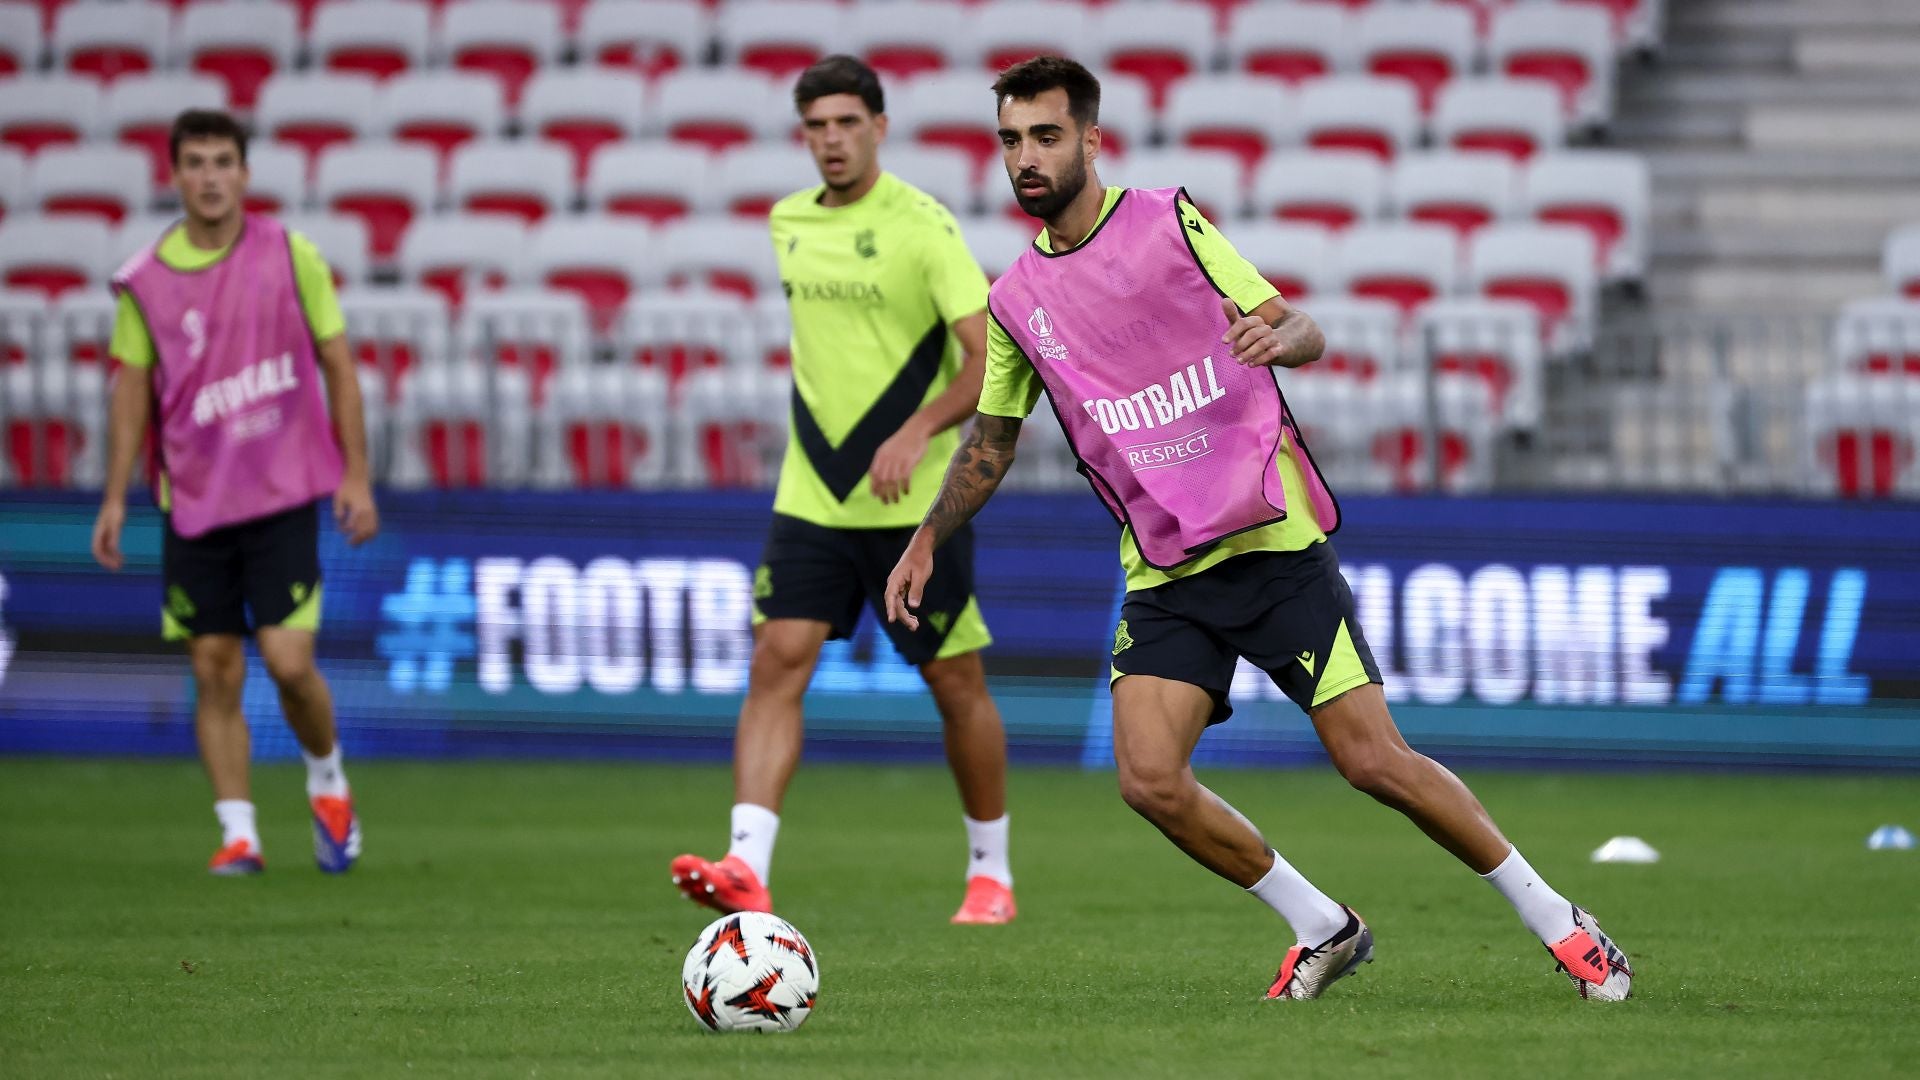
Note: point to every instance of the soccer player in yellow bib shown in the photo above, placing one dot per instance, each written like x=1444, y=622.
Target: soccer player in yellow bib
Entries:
x=889, y=346
x=1271, y=594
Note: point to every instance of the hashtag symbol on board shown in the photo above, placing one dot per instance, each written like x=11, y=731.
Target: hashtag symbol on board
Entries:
x=429, y=626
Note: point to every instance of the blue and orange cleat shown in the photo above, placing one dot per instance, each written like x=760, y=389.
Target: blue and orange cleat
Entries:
x=336, y=833
x=988, y=903
x=238, y=859
x=726, y=886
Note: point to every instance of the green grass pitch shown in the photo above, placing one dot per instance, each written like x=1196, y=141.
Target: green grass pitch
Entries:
x=515, y=920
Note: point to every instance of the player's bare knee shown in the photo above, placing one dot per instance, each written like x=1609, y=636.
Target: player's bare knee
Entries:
x=1385, y=773
x=1155, y=793
x=779, y=666
x=290, y=670
x=955, y=679
x=219, y=673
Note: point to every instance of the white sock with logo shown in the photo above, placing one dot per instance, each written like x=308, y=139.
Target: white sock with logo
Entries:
x=1546, y=913
x=236, y=822
x=754, y=829
x=1313, y=914
x=325, y=775
x=987, y=850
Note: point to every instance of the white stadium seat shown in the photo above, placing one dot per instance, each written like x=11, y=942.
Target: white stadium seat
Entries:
x=602, y=261
x=1427, y=45
x=343, y=241
x=1364, y=338
x=1360, y=112
x=242, y=43
x=1497, y=343
x=523, y=180
x=1292, y=42
x=386, y=185
x=316, y=111
x=276, y=179
x=139, y=110
x=1177, y=43
x=1406, y=265
x=904, y=41
x=21, y=42
x=750, y=180
x=1335, y=189
x=1464, y=192
x=1245, y=115
x=648, y=39
x=1514, y=117
x=370, y=37
x=393, y=331
x=1551, y=268
x=1863, y=436
x=456, y=255
x=584, y=110
x=505, y=40
x=726, y=254
x=655, y=181
x=779, y=38
x=442, y=109
x=1294, y=257
x=1900, y=260
x=107, y=183
x=13, y=181
x=718, y=110
x=1005, y=32
x=603, y=427
x=53, y=110
x=1213, y=178
x=1567, y=47
x=1878, y=336
x=53, y=255
x=105, y=41
x=1608, y=193
x=945, y=174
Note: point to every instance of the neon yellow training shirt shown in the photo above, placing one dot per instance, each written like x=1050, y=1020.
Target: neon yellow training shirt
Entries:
x=132, y=345
x=873, y=288
x=1012, y=389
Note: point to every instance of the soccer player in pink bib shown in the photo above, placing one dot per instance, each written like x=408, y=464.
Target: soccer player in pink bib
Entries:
x=1153, y=341
x=230, y=341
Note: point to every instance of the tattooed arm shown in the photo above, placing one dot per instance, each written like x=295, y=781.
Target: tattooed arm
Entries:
x=975, y=471
x=1275, y=334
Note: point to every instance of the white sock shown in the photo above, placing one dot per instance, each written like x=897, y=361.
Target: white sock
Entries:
x=325, y=775
x=754, y=828
x=1546, y=913
x=236, y=822
x=1312, y=914
x=987, y=850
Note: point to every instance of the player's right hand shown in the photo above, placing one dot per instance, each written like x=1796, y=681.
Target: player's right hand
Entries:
x=909, y=581
x=106, y=535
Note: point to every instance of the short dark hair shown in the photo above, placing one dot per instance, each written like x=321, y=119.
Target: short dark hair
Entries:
x=1029, y=79
x=839, y=74
x=205, y=124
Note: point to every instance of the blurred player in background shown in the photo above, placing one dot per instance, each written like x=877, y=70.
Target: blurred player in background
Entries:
x=1151, y=335
x=889, y=342
x=226, y=331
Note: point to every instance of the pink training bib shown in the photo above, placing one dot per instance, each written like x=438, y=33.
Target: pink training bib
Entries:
x=243, y=429
x=1175, y=437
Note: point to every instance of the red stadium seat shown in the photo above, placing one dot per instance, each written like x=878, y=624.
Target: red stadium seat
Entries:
x=952, y=110
x=681, y=333
x=507, y=40
x=726, y=255
x=13, y=181
x=1464, y=192
x=139, y=110
x=521, y=180
x=1863, y=437
x=241, y=42
x=1126, y=116
x=747, y=182
x=1567, y=47
x=394, y=331
x=603, y=427
x=583, y=110
x=779, y=38
x=1427, y=46
x=719, y=110
x=1406, y=265
x=53, y=111
x=657, y=182
x=383, y=184
x=276, y=179
x=85, y=327
x=1607, y=193
x=455, y=255
x=1495, y=343
x=105, y=183
x=1550, y=268
x=377, y=38
x=907, y=40
x=1502, y=116
x=1880, y=336
x=1364, y=113
x=1213, y=178
x=1363, y=339
x=1291, y=42
x=1176, y=43
x=21, y=40
x=535, y=333
x=316, y=112
x=55, y=429
x=603, y=261
x=737, y=421
x=443, y=110
x=51, y=256
x=1331, y=189
x=1009, y=31
x=106, y=41
x=652, y=39
x=945, y=174
x=1238, y=114
x=1293, y=257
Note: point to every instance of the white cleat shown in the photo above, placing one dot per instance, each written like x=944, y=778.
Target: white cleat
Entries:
x=1308, y=971
x=1589, y=957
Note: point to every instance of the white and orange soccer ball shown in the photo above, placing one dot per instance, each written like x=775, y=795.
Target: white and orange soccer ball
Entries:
x=750, y=971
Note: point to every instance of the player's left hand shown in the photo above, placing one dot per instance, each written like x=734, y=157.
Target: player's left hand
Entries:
x=908, y=582
x=894, y=462
x=355, y=512
x=1254, y=342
